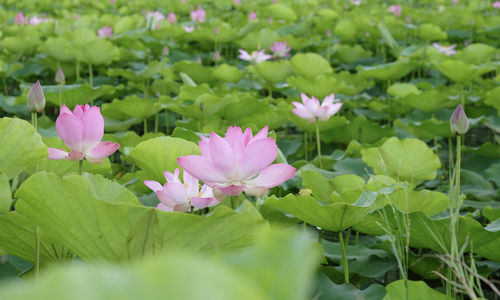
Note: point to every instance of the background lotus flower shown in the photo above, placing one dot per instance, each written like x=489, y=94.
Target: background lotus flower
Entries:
x=171, y=18
x=310, y=108
x=198, y=15
x=496, y=4
x=35, y=20
x=237, y=2
x=36, y=99
x=105, y=32
x=60, y=79
x=82, y=131
x=459, y=124
x=256, y=56
x=152, y=19
x=177, y=196
x=396, y=10
x=252, y=16
x=280, y=49
x=188, y=28
x=165, y=51
x=238, y=162
x=447, y=50
x=19, y=19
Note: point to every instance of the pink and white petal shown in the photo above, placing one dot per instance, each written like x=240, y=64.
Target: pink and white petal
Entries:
x=303, y=113
x=153, y=185
x=304, y=97
x=103, y=150
x=255, y=190
x=173, y=193
x=201, y=203
x=247, y=136
x=232, y=190
x=328, y=100
x=334, y=109
x=78, y=111
x=192, y=184
x=93, y=124
x=257, y=156
x=57, y=154
x=163, y=207
x=206, y=192
x=311, y=105
x=244, y=55
x=70, y=130
x=322, y=113
x=172, y=178
x=234, y=137
x=262, y=134
x=222, y=156
x=182, y=207
x=273, y=175
x=204, y=148
x=201, y=168
x=75, y=155
x=65, y=110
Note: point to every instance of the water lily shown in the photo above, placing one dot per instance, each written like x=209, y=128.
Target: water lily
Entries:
x=177, y=196
x=256, y=56
x=280, y=49
x=238, y=162
x=459, y=124
x=198, y=15
x=82, y=131
x=447, y=50
x=396, y=10
x=105, y=32
x=310, y=108
x=36, y=99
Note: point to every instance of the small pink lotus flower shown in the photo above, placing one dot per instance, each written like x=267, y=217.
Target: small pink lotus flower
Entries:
x=238, y=162
x=252, y=16
x=356, y=2
x=35, y=20
x=188, y=28
x=496, y=4
x=152, y=19
x=216, y=56
x=311, y=110
x=19, y=19
x=82, y=131
x=172, y=18
x=447, y=50
x=256, y=56
x=76, y=17
x=177, y=196
x=105, y=32
x=280, y=49
x=112, y=1
x=237, y=2
x=455, y=1
x=396, y=10
x=198, y=15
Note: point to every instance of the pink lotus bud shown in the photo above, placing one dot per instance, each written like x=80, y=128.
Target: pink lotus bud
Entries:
x=36, y=99
x=172, y=18
x=198, y=15
x=396, y=10
x=237, y=2
x=216, y=30
x=198, y=60
x=19, y=19
x=60, y=79
x=112, y=1
x=459, y=124
x=496, y=4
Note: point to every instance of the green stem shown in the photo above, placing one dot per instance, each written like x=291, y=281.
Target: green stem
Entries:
x=145, y=122
x=344, y=257
x=457, y=170
x=37, y=253
x=318, y=144
x=157, y=122
x=60, y=96
x=270, y=89
x=462, y=96
x=233, y=202
x=306, y=146
x=91, y=76
x=5, y=90
x=80, y=167
x=77, y=71
x=320, y=235
x=34, y=120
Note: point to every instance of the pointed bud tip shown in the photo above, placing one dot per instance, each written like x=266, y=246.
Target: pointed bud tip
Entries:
x=459, y=124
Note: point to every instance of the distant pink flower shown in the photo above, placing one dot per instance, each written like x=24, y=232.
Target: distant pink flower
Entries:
x=105, y=32
x=153, y=17
x=216, y=30
x=177, y=196
x=198, y=60
x=496, y=4
x=165, y=51
x=112, y=1
x=356, y=2
x=310, y=108
x=280, y=49
x=454, y=1
x=238, y=162
x=328, y=33
x=35, y=20
x=252, y=16
x=19, y=19
x=82, y=131
x=270, y=21
x=216, y=56
x=396, y=10
x=198, y=15
x=188, y=28
x=76, y=17
x=237, y=2
x=447, y=50
x=172, y=18
x=256, y=56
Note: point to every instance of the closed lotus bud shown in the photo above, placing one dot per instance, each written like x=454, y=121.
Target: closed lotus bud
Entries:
x=36, y=99
x=459, y=124
x=60, y=79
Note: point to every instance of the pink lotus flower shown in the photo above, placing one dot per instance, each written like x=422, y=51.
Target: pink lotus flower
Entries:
x=19, y=19
x=112, y=1
x=216, y=56
x=105, y=32
x=165, y=51
x=356, y=2
x=188, y=28
x=252, y=16
x=177, y=196
x=172, y=18
x=82, y=131
x=152, y=18
x=447, y=50
x=238, y=162
x=256, y=56
x=237, y=2
x=280, y=49
x=311, y=110
x=396, y=10
x=198, y=15
x=35, y=20
x=496, y=4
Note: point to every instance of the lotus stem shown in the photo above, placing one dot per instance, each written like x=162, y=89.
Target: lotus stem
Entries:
x=344, y=257
x=80, y=167
x=91, y=76
x=145, y=122
x=60, y=96
x=34, y=120
x=233, y=202
x=5, y=90
x=306, y=146
x=77, y=71
x=318, y=143
x=37, y=253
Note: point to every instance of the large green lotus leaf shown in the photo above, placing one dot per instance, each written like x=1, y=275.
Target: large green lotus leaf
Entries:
x=426, y=129
x=75, y=94
x=82, y=36
x=493, y=98
x=203, y=105
x=350, y=84
x=326, y=290
x=346, y=29
x=133, y=106
x=274, y=72
x=490, y=250
x=5, y=195
x=403, y=90
x=405, y=160
x=428, y=101
x=431, y=32
x=20, y=146
x=310, y=65
x=194, y=70
x=17, y=237
x=101, y=220
x=335, y=217
x=393, y=71
x=228, y=73
x=477, y=53
x=487, y=149
x=281, y=12
x=97, y=52
x=349, y=54
x=360, y=129
x=25, y=40
x=58, y=48
x=319, y=87
x=226, y=33
x=160, y=154
x=321, y=187
x=417, y=290
x=262, y=39
x=458, y=71
x=491, y=213
x=428, y=202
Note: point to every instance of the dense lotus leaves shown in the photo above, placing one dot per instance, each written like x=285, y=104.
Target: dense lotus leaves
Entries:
x=256, y=40
x=17, y=237
x=360, y=129
x=310, y=65
x=200, y=74
x=280, y=12
x=160, y=154
x=487, y=149
x=431, y=32
x=394, y=70
x=349, y=54
x=141, y=72
x=477, y=53
x=228, y=73
x=97, y=52
x=490, y=250
x=133, y=106
x=402, y=90
x=416, y=290
x=320, y=87
x=491, y=213
x=325, y=290
x=320, y=186
x=20, y=146
x=459, y=71
x=58, y=48
x=26, y=39
x=130, y=139
x=426, y=129
x=98, y=219
x=405, y=160
x=346, y=29
x=325, y=127
x=274, y=72
x=493, y=99
x=429, y=100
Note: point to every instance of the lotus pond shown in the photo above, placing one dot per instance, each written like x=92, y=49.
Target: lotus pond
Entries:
x=237, y=149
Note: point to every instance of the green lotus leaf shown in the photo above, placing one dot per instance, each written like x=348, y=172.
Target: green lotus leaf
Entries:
x=427, y=129
x=23, y=41
x=360, y=129
x=310, y=65
x=458, y=71
x=274, y=72
x=478, y=53
x=5, y=195
x=403, y=90
x=346, y=29
x=71, y=95
x=133, y=106
x=281, y=12
x=493, y=99
x=319, y=87
x=197, y=72
x=349, y=54
x=228, y=73
x=97, y=52
x=392, y=71
x=428, y=101
x=431, y=32
x=262, y=39
x=416, y=290
x=58, y=48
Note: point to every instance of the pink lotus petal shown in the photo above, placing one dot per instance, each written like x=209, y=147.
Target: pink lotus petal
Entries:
x=93, y=124
x=153, y=185
x=232, y=190
x=201, y=203
x=172, y=178
x=56, y=154
x=70, y=130
x=221, y=155
x=163, y=207
x=75, y=155
x=173, y=194
x=257, y=156
x=201, y=168
x=65, y=110
x=273, y=175
x=302, y=112
x=191, y=183
x=256, y=191
x=262, y=134
x=102, y=150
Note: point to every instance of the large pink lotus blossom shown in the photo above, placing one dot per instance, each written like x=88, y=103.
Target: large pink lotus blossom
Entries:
x=447, y=50
x=105, y=32
x=238, y=162
x=177, y=196
x=280, y=49
x=256, y=56
x=252, y=16
x=171, y=18
x=82, y=131
x=396, y=10
x=19, y=19
x=496, y=4
x=198, y=15
x=310, y=108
